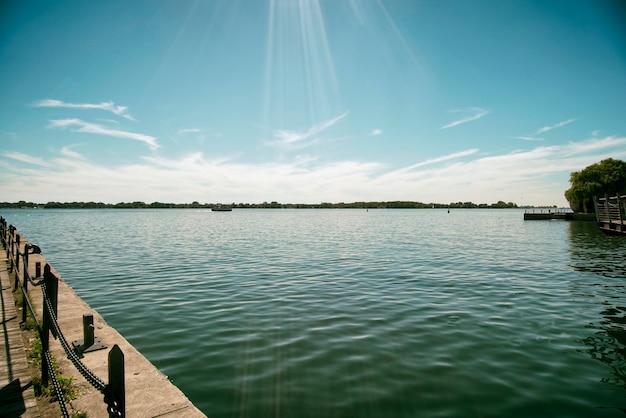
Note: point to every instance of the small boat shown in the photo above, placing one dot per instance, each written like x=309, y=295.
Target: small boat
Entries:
x=222, y=208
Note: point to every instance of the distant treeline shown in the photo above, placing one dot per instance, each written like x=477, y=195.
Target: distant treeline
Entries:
x=264, y=205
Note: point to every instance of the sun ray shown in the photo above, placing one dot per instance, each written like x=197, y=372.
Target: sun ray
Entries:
x=300, y=81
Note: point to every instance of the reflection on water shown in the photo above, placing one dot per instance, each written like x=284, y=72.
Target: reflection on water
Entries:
x=592, y=251
x=595, y=253
x=346, y=313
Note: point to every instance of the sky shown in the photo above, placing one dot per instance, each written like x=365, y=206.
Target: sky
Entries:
x=308, y=101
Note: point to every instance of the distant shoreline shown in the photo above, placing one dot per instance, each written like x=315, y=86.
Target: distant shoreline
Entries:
x=266, y=205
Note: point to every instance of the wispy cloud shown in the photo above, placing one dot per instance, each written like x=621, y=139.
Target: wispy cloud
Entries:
x=11, y=135
x=556, y=125
x=472, y=113
x=109, y=106
x=467, y=175
x=188, y=131
x=528, y=138
x=288, y=138
x=443, y=158
x=68, y=152
x=376, y=132
x=94, y=128
x=543, y=130
x=25, y=158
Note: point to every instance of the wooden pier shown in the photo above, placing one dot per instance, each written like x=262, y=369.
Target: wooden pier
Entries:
x=547, y=214
x=557, y=214
x=17, y=396
x=611, y=214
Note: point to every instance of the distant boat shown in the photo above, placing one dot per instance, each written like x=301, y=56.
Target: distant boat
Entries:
x=222, y=208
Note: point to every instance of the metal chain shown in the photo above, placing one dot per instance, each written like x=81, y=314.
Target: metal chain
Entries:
x=32, y=311
x=94, y=380
x=113, y=408
x=34, y=283
x=57, y=386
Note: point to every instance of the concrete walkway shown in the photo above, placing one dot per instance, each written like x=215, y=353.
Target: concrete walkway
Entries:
x=17, y=397
x=149, y=393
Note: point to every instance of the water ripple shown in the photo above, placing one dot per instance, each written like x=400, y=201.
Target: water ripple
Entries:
x=348, y=313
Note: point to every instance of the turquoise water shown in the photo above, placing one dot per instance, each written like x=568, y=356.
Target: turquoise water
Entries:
x=354, y=313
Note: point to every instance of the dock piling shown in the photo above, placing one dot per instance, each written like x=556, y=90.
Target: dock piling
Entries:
x=89, y=342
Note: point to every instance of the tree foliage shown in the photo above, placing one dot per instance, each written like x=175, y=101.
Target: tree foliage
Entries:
x=606, y=177
x=265, y=205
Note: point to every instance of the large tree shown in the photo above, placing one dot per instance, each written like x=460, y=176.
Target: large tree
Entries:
x=606, y=177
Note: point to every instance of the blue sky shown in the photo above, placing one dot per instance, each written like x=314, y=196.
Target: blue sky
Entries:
x=305, y=101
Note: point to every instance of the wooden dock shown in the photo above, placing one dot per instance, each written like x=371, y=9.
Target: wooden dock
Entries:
x=17, y=397
x=557, y=214
x=546, y=214
x=611, y=214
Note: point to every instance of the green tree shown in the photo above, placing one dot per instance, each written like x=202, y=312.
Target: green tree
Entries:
x=606, y=177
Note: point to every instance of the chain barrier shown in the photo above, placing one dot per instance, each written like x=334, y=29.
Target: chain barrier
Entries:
x=114, y=408
x=56, y=385
x=94, y=380
x=30, y=309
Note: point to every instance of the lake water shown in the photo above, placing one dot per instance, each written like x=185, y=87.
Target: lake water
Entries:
x=354, y=313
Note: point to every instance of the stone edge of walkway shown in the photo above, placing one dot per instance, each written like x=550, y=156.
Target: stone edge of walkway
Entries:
x=149, y=393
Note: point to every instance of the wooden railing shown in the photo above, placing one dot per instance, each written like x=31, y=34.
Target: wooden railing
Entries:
x=611, y=214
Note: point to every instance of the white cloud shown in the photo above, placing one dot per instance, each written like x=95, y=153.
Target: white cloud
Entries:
x=109, y=106
x=430, y=161
x=188, y=131
x=376, y=132
x=25, y=158
x=107, y=120
x=68, y=152
x=556, y=125
x=537, y=176
x=545, y=129
x=94, y=128
x=287, y=138
x=472, y=113
x=528, y=138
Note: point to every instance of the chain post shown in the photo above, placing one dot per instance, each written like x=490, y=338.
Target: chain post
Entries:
x=25, y=285
x=52, y=293
x=45, y=331
x=10, y=246
x=17, y=255
x=88, y=337
x=89, y=342
x=117, y=402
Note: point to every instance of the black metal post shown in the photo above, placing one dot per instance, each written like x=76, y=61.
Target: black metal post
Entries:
x=117, y=406
x=45, y=329
x=17, y=254
x=25, y=285
x=10, y=248
x=15, y=267
x=52, y=293
x=88, y=337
